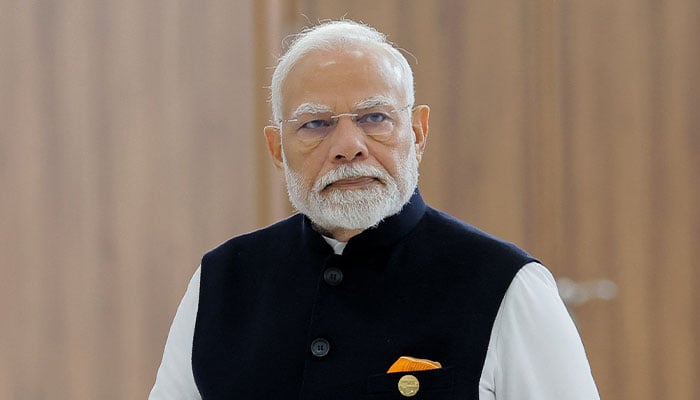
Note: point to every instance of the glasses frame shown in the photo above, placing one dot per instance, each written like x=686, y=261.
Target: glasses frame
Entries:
x=336, y=117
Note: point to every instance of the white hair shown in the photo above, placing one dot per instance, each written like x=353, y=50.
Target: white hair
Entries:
x=329, y=36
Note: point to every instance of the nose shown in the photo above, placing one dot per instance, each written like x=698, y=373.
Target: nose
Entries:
x=348, y=142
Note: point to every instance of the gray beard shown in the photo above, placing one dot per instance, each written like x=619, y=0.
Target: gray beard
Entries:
x=356, y=209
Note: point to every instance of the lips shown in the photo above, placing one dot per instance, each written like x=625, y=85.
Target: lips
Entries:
x=353, y=183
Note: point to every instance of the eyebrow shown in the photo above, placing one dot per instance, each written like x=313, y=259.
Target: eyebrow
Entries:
x=374, y=101
x=310, y=108
x=316, y=108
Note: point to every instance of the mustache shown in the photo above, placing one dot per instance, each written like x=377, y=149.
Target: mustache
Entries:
x=349, y=171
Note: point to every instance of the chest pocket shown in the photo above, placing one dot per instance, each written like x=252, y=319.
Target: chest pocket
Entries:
x=436, y=384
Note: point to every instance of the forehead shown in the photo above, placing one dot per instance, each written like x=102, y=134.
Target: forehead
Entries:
x=342, y=79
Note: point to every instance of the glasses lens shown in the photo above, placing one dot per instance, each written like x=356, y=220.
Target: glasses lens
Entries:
x=376, y=122
x=311, y=127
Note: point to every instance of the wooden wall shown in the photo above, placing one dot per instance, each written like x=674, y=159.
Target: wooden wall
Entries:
x=130, y=143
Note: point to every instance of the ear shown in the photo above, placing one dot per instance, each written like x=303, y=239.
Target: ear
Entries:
x=274, y=144
x=420, y=117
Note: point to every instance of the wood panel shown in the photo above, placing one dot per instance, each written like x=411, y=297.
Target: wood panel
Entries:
x=128, y=149
x=130, y=142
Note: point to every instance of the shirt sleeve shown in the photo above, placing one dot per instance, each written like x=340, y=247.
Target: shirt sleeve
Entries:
x=175, y=380
x=535, y=352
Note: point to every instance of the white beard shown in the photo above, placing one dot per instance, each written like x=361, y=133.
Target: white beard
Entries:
x=357, y=208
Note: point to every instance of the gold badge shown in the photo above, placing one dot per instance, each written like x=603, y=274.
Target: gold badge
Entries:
x=408, y=385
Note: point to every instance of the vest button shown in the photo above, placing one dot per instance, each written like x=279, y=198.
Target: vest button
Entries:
x=333, y=276
x=320, y=347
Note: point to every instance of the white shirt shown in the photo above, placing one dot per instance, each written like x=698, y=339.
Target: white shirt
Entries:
x=535, y=352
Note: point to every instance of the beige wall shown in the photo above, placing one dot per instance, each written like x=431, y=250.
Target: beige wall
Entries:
x=130, y=143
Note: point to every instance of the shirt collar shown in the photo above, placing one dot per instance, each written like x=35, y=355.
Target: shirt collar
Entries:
x=337, y=245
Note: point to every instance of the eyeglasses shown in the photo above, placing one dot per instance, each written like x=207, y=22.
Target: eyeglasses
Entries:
x=378, y=122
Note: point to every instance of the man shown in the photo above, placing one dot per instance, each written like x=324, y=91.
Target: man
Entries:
x=367, y=292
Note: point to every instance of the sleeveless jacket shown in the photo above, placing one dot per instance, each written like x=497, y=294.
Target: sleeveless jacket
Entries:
x=282, y=317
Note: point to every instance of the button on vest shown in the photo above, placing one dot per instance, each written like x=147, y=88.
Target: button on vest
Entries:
x=333, y=276
x=320, y=347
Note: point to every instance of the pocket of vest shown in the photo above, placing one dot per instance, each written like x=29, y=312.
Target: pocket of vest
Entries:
x=433, y=384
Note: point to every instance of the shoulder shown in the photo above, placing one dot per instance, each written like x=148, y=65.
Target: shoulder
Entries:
x=259, y=241
x=446, y=231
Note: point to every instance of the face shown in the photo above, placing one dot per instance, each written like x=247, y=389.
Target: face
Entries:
x=350, y=172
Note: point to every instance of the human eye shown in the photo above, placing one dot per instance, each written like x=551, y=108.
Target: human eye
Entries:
x=315, y=124
x=373, y=118
x=312, y=127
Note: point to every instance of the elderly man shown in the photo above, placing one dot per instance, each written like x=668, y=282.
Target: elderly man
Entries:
x=367, y=292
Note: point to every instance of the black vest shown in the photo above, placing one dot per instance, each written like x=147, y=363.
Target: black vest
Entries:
x=421, y=284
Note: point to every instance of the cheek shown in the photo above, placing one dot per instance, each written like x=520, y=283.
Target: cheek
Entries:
x=304, y=162
x=395, y=157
